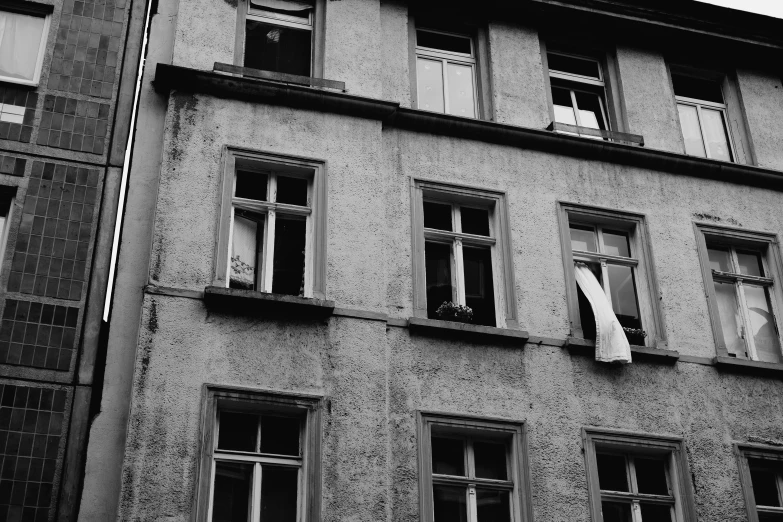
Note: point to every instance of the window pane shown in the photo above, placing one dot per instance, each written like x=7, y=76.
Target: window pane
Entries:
x=492, y=506
x=770, y=517
x=616, y=512
x=656, y=512
x=288, y=266
x=279, y=49
x=437, y=216
x=448, y=456
x=246, y=245
x=437, y=261
x=719, y=260
x=298, y=8
x=651, y=476
x=583, y=238
x=624, y=303
x=714, y=128
x=697, y=88
x=233, y=492
x=730, y=321
x=573, y=65
x=479, y=291
x=20, y=42
x=750, y=263
x=490, y=460
x=616, y=244
x=612, y=475
x=280, y=435
x=429, y=75
x=237, y=431
x=564, y=107
x=691, y=131
x=763, y=324
x=590, y=111
x=292, y=190
x=450, y=503
x=475, y=221
x=443, y=42
x=279, y=493
x=251, y=185
x=765, y=488
x=461, y=94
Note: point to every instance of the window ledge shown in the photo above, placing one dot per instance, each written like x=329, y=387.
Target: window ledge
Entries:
x=586, y=132
x=746, y=366
x=467, y=332
x=249, y=302
x=638, y=353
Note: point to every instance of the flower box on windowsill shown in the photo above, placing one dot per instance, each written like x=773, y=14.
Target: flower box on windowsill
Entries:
x=249, y=302
x=747, y=366
x=641, y=353
x=467, y=332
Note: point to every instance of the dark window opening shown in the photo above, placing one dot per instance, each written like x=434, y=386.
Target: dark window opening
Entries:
x=479, y=293
x=443, y=42
x=278, y=49
x=289, y=258
x=697, y=88
x=573, y=65
x=437, y=259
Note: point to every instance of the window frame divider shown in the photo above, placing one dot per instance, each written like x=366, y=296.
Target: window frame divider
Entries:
x=743, y=452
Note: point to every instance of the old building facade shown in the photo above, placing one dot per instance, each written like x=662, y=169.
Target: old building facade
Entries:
x=320, y=189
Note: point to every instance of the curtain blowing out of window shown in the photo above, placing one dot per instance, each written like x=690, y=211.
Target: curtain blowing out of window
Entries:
x=611, y=344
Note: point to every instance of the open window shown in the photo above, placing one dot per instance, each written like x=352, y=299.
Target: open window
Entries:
x=23, y=31
x=761, y=475
x=578, y=90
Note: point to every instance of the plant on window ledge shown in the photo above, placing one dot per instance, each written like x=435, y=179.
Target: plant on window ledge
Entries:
x=635, y=335
x=242, y=274
x=449, y=311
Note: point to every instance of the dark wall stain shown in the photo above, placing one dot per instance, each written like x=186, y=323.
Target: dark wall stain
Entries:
x=184, y=107
x=717, y=219
x=152, y=324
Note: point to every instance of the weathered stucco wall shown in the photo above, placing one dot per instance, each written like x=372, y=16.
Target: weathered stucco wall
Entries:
x=396, y=82
x=762, y=95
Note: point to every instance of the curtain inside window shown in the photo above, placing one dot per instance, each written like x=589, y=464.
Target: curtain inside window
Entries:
x=291, y=6
x=611, y=344
x=20, y=40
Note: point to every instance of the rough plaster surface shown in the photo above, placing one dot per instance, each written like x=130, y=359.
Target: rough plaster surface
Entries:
x=353, y=47
x=198, y=44
x=762, y=95
x=394, y=46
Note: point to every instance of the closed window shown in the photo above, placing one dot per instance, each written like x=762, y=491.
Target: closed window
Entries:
x=578, y=91
x=761, y=475
x=22, y=45
x=446, y=73
x=702, y=110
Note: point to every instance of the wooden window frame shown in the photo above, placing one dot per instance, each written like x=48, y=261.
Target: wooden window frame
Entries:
x=41, y=11
x=640, y=444
x=647, y=291
x=262, y=401
x=768, y=245
x=478, y=428
x=500, y=246
x=745, y=452
x=315, y=244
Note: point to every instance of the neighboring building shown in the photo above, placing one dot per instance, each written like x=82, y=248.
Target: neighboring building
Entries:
x=67, y=79
x=312, y=180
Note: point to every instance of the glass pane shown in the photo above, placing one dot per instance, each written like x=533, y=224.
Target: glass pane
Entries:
x=590, y=111
x=298, y=8
x=730, y=321
x=20, y=42
x=429, y=75
x=750, y=263
x=697, y=88
x=765, y=489
x=490, y=460
x=279, y=493
x=616, y=512
x=651, y=476
x=450, y=503
x=564, y=107
x=623, y=292
x=462, y=101
x=275, y=48
x=437, y=261
x=289, y=262
x=720, y=260
x=437, y=216
x=475, y=221
x=292, y=191
x=770, y=517
x=573, y=65
x=237, y=431
x=612, y=475
x=246, y=246
x=479, y=291
x=251, y=185
x=691, y=132
x=280, y=435
x=713, y=124
x=492, y=506
x=233, y=492
x=762, y=324
x=443, y=42
x=616, y=244
x=448, y=456
x=656, y=512
x=583, y=238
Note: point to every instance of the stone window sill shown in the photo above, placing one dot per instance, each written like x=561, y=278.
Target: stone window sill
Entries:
x=733, y=364
x=642, y=353
x=467, y=332
x=249, y=302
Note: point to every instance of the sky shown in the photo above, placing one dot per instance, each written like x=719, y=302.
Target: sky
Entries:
x=765, y=7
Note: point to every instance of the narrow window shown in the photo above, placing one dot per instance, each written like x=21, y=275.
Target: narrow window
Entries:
x=279, y=36
x=22, y=45
x=578, y=91
x=702, y=111
x=446, y=73
x=6, y=198
x=761, y=476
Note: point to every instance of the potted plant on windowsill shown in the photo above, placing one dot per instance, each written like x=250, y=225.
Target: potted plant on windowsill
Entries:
x=449, y=311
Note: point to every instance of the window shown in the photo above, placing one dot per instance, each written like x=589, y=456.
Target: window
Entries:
x=740, y=270
x=463, y=255
x=272, y=225
x=637, y=478
x=615, y=246
x=261, y=458
x=6, y=198
x=761, y=475
x=22, y=44
x=703, y=119
x=578, y=91
x=472, y=470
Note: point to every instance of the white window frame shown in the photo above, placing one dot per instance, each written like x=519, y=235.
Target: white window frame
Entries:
x=772, y=454
x=47, y=16
x=720, y=107
x=585, y=80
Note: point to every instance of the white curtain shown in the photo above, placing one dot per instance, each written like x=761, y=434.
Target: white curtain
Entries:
x=20, y=41
x=611, y=344
x=283, y=5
